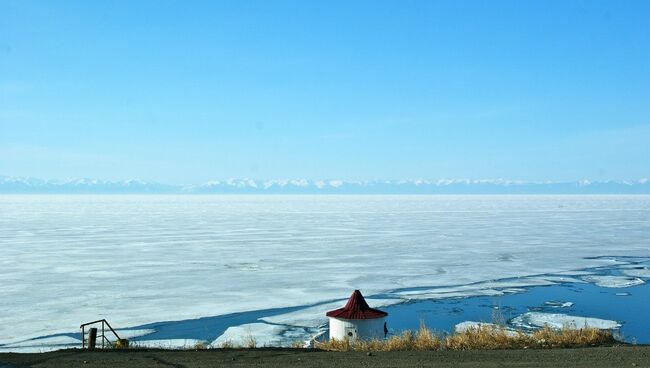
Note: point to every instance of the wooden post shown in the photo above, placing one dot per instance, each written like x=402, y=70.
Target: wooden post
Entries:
x=92, y=338
x=83, y=337
x=103, y=338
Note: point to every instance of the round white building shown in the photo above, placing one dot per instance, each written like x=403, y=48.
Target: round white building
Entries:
x=357, y=320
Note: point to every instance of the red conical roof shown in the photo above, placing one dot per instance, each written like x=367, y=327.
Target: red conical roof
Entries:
x=356, y=308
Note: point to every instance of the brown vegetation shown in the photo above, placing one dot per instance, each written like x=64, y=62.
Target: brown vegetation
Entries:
x=478, y=338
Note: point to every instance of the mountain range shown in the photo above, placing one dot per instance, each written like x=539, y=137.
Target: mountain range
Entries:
x=17, y=185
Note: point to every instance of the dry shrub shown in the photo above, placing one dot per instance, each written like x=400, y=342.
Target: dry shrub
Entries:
x=228, y=344
x=478, y=338
x=200, y=346
x=486, y=337
x=571, y=337
x=424, y=339
x=121, y=344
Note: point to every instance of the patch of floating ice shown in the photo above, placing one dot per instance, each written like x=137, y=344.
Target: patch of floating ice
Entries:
x=472, y=325
x=638, y=272
x=532, y=320
x=488, y=288
x=456, y=294
x=560, y=279
x=513, y=290
x=614, y=281
x=263, y=334
x=574, y=273
x=558, y=304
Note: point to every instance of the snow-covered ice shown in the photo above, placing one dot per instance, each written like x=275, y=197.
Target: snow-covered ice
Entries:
x=531, y=320
x=42, y=344
x=264, y=334
x=614, y=281
x=488, y=288
x=136, y=260
x=642, y=272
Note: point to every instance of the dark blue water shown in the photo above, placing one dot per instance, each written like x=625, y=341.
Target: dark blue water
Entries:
x=631, y=310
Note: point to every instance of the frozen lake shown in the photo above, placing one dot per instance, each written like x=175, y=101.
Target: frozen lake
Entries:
x=272, y=265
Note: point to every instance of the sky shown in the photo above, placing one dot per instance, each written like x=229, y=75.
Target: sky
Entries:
x=190, y=91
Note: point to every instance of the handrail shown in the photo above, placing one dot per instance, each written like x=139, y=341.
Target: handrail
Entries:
x=103, y=336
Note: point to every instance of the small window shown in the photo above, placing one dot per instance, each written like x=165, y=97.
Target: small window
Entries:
x=349, y=333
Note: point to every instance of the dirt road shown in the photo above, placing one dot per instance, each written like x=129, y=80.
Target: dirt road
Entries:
x=618, y=356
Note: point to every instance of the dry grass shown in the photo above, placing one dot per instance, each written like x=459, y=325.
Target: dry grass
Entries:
x=423, y=339
x=121, y=344
x=250, y=342
x=479, y=338
x=572, y=337
x=200, y=346
x=228, y=344
x=487, y=338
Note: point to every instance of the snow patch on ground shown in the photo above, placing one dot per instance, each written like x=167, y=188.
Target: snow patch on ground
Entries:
x=532, y=320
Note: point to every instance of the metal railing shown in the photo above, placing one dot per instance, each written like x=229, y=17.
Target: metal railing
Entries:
x=104, y=339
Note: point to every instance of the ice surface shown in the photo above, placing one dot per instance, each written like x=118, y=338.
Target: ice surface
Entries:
x=136, y=260
x=488, y=288
x=55, y=341
x=531, y=320
x=49, y=343
x=560, y=279
x=643, y=272
x=614, y=281
x=558, y=304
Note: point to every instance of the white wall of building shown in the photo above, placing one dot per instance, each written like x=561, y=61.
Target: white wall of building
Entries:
x=356, y=328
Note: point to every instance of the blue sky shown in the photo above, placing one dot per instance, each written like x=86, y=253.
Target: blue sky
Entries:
x=188, y=91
